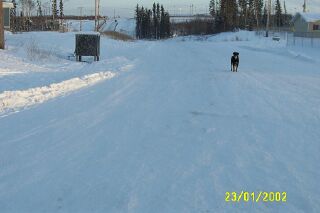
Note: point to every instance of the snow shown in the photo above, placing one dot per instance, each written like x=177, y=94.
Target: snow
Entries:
x=88, y=33
x=310, y=17
x=13, y=100
x=87, y=25
x=122, y=25
x=225, y=37
x=173, y=132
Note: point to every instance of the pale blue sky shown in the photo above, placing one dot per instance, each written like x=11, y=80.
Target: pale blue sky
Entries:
x=126, y=7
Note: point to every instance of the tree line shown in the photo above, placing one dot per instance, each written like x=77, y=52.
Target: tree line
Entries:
x=27, y=6
x=25, y=19
x=152, y=24
x=246, y=14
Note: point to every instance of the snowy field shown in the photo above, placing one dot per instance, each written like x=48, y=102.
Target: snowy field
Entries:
x=158, y=126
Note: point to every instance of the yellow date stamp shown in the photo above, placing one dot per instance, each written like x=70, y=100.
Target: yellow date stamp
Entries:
x=256, y=197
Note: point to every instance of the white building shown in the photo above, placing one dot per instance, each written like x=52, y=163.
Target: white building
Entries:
x=7, y=6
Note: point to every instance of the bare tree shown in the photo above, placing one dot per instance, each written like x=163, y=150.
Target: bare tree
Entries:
x=27, y=6
x=39, y=8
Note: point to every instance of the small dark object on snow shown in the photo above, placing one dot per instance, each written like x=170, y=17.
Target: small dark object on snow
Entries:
x=235, y=62
x=276, y=38
x=87, y=45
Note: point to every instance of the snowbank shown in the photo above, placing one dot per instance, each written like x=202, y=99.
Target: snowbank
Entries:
x=10, y=100
x=12, y=65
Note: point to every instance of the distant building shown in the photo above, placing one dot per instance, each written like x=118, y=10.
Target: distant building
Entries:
x=306, y=22
x=7, y=6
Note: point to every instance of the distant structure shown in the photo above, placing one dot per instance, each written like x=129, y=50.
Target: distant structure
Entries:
x=307, y=22
x=7, y=6
x=304, y=6
x=178, y=18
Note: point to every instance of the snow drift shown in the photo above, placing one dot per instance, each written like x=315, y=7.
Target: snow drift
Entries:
x=11, y=100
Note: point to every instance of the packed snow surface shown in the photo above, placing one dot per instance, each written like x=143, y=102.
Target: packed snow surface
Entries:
x=173, y=132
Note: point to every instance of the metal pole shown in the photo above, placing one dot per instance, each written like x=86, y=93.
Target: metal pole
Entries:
x=95, y=15
x=98, y=13
x=80, y=8
x=1, y=26
x=96, y=21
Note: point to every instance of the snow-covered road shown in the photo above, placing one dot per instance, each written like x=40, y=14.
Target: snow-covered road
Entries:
x=173, y=132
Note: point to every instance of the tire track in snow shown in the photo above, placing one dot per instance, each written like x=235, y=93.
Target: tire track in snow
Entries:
x=13, y=100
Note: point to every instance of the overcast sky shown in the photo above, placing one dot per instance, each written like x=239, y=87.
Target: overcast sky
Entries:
x=126, y=7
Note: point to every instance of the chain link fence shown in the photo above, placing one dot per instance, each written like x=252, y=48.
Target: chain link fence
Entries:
x=300, y=39
x=304, y=39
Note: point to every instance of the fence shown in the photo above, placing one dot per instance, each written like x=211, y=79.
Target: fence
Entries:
x=304, y=39
x=280, y=34
x=193, y=27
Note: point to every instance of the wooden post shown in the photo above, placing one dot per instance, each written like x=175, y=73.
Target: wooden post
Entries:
x=1, y=26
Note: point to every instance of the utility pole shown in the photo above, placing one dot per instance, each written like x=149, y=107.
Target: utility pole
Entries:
x=80, y=8
x=1, y=26
x=304, y=6
x=268, y=18
x=97, y=15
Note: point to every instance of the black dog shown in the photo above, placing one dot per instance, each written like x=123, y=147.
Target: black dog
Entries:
x=235, y=62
